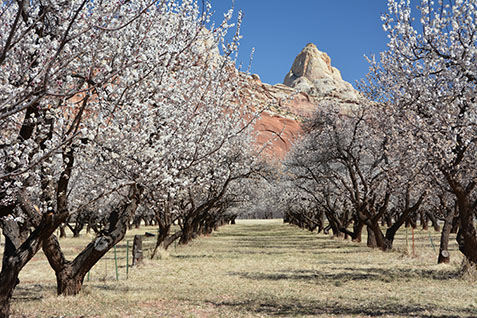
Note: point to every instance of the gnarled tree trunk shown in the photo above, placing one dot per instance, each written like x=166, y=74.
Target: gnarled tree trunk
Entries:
x=467, y=235
x=17, y=254
x=70, y=274
x=468, y=245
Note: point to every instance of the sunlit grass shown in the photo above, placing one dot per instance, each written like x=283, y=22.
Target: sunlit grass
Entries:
x=260, y=269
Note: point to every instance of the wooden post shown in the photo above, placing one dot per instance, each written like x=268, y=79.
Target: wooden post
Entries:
x=137, y=250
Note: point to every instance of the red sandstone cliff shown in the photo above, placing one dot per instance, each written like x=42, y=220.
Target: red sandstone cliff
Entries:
x=311, y=81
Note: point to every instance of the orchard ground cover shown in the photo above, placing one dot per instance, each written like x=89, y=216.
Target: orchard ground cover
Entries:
x=259, y=268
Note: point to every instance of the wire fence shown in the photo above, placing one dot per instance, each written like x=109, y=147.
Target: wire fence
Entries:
x=115, y=265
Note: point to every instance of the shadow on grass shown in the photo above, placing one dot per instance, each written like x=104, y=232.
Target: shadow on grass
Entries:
x=30, y=292
x=346, y=274
x=295, y=243
x=112, y=286
x=187, y=256
x=297, y=308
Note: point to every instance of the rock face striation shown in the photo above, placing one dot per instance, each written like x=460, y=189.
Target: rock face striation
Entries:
x=311, y=81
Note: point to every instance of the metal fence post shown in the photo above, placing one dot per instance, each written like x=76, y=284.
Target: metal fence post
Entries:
x=127, y=259
x=116, y=263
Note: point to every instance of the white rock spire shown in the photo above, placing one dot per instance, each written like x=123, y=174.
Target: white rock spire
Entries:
x=313, y=74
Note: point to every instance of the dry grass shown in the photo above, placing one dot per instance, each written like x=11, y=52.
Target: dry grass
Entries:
x=260, y=269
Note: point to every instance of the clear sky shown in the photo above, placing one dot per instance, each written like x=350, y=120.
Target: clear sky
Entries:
x=278, y=29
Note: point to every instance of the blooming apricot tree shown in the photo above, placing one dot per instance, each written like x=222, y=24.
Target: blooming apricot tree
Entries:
x=102, y=104
x=427, y=81
x=345, y=165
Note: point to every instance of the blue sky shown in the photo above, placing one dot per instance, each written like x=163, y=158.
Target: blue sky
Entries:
x=279, y=29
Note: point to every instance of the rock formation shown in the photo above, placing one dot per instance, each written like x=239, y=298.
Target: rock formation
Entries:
x=311, y=81
x=313, y=74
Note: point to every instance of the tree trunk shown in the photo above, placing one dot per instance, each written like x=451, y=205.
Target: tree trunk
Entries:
x=186, y=236
x=10, y=269
x=326, y=230
x=424, y=220
x=358, y=230
x=402, y=219
x=67, y=283
x=187, y=232
x=455, y=224
x=21, y=246
x=171, y=239
x=68, y=279
x=137, y=250
x=381, y=241
x=17, y=254
x=76, y=233
x=76, y=229
x=337, y=233
x=434, y=221
x=469, y=235
x=391, y=231
x=196, y=227
x=371, y=242
x=444, y=256
x=9, y=282
x=62, y=231
x=333, y=224
x=201, y=228
x=8, y=278
x=70, y=275
x=161, y=237
x=389, y=220
x=411, y=222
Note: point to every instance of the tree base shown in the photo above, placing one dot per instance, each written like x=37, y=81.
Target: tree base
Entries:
x=468, y=270
x=67, y=284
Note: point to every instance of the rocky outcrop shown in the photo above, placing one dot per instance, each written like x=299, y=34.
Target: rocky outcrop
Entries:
x=311, y=81
x=313, y=74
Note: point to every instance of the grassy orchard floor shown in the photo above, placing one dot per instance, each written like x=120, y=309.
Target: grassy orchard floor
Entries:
x=259, y=269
